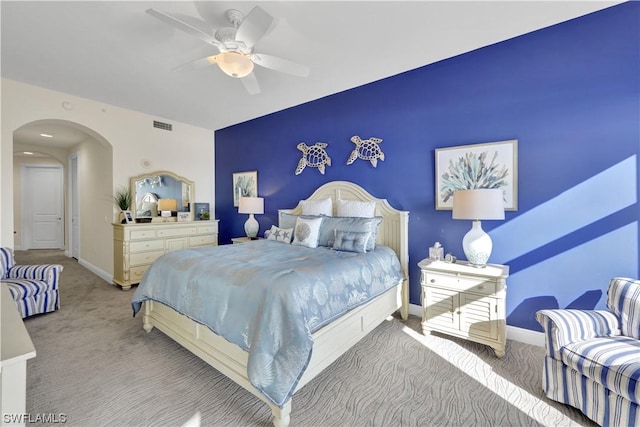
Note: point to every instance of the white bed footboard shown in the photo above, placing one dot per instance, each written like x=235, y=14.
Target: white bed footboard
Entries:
x=330, y=342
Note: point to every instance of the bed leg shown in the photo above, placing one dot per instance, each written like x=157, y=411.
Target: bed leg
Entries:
x=281, y=416
x=404, y=310
x=146, y=325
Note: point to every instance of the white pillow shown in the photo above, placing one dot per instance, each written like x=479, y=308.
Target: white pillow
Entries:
x=355, y=208
x=279, y=234
x=317, y=207
x=306, y=232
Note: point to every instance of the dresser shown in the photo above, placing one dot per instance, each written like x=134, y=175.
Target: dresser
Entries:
x=465, y=301
x=137, y=246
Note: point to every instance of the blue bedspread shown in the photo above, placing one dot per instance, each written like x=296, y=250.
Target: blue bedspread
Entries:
x=268, y=298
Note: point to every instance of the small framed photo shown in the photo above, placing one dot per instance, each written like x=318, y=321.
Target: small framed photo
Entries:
x=128, y=216
x=184, y=216
x=245, y=184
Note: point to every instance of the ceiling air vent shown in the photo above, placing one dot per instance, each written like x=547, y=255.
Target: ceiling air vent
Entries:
x=163, y=126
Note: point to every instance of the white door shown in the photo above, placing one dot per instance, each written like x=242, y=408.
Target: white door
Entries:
x=43, y=207
x=75, y=206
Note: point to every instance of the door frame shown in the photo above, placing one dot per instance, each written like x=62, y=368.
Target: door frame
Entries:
x=73, y=199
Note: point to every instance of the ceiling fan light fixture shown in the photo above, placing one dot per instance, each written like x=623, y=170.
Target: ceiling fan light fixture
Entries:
x=234, y=64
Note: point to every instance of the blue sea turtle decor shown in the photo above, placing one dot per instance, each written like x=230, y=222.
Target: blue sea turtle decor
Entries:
x=366, y=149
x=314, y=156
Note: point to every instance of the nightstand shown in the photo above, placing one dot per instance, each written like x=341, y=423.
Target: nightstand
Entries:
x=244, y=239
x=465, y=301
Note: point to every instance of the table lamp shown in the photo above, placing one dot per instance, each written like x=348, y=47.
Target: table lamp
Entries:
x=251, y=206
x=476, y=205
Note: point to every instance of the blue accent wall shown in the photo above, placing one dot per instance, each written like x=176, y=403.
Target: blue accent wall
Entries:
x=570, y=95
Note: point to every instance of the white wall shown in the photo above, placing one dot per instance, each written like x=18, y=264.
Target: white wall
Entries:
x=130, y=136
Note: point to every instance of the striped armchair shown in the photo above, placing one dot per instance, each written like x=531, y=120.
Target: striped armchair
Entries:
x=592, y=357
x=34, y=288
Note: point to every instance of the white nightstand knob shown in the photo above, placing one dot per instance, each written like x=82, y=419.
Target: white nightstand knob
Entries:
x=433, y=280
x=481, y=287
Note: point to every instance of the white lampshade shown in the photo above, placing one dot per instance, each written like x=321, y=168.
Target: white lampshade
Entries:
x=234, y=64
x=478, y=204
x=482, y=203
x=251, y=206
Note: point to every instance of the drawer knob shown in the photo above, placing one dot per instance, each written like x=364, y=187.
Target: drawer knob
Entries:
x=481, y=287
x=433, y=280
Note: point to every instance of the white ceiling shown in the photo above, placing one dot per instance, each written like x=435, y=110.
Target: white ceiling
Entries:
x=113, y=52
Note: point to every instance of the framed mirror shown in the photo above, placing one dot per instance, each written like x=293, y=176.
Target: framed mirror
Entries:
x=154, y=189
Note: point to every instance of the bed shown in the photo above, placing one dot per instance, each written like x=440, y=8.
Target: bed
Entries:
x=332, y=338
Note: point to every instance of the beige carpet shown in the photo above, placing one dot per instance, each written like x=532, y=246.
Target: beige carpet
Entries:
x=96, y=366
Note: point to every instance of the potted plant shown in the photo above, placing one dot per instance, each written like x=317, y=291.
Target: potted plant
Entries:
x=123, y=198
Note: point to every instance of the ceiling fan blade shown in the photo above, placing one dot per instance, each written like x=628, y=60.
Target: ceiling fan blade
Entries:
x=279, y=64
x=183, y=26
x=197, y=64
x=250, y=83
x=254, y=26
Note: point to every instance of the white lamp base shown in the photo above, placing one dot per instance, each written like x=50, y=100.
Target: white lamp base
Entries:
x=477, y=245
x=251, y=227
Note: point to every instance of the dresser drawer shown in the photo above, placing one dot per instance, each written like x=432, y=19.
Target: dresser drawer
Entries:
x=146, y=245
x=144, y=257
x=208, y=240
x=459, y=283
x=209, y=228
x=143, y=234
x=136, y=273
x=172, y=232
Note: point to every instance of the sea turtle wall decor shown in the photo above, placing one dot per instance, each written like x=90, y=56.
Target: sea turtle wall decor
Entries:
x=314, y=156
x=366, y=149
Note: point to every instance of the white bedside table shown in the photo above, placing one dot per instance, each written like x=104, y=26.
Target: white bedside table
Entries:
x=465, y=301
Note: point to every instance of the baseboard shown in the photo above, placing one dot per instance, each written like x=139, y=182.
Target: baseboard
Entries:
x=95, y=270
x=526, y=336
x=514, y=333
x=415, y=310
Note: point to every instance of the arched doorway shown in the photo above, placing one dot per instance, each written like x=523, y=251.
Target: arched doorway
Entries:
x=86, y=158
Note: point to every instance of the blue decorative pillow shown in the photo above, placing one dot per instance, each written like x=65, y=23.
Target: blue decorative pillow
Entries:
x=345, y=223
x=288, y=220
x=351, y=241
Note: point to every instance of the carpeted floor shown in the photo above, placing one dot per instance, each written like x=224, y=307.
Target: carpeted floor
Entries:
x=97, y=367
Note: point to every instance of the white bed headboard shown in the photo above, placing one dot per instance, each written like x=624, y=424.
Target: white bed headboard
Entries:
x=393, y=231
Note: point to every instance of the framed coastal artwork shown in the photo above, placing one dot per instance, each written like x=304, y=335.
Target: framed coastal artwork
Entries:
x=486, y=165
x=245, y=184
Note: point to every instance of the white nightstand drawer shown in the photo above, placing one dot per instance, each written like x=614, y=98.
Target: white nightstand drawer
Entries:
x=144, y=257
x=459, y=283
x=147, y=245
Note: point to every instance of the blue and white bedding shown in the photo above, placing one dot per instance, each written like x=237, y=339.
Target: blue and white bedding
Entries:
x=268, y=298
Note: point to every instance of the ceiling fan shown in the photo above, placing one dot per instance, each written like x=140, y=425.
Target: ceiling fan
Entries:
x=235, y=44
